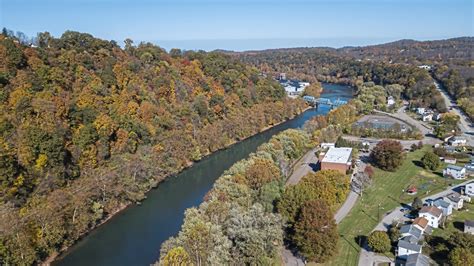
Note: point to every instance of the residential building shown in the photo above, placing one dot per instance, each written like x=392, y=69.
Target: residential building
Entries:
x=469, y=189
x=406, y=248
x=455, y=199
x=437, y=116
x=457, y=141
x=432, y=214
x=411, y=230
x=454, y=171
x=337, y=159
x=450, y=160
x=426, y=67
x=418, y=259
x=469, y=227
x=444, y=206
x=422, y=224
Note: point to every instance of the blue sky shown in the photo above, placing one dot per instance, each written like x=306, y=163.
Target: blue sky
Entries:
x=244, y=24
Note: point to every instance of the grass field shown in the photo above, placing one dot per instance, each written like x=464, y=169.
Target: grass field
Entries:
x=387, y=190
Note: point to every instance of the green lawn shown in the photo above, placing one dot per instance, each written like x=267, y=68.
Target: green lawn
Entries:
x=386, y=190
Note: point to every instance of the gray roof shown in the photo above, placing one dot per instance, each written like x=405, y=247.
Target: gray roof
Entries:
x=411, y=239
x=412, y=230
x=441, y=203
x=469, y=223
x=454, y=197
x=417, y=260
x=407, y=245
x=455, y=167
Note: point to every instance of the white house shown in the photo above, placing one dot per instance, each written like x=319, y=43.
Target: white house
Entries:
x=420, y=110
x=454, y=171
x=469, y=190
x=444, y=206
x=390, y=101
x=426, y=116
x=469, y=227
x=406, y=248
x=450, y=160
x=432, y=214
x=455, y=200
x=457, y=141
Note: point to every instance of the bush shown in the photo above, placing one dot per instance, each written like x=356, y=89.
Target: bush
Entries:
x=379, y=241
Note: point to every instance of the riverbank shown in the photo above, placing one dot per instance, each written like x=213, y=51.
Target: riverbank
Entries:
x=58, y=255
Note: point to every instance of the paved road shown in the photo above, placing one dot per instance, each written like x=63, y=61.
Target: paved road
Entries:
x=464, y=123
x=370, y=258
x=303, y=167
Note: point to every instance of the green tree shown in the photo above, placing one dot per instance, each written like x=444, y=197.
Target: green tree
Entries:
x=176, y=257
x=417, y=203
x=461, y=257
x=379, y=241
x=315, y=232
x=388, y=154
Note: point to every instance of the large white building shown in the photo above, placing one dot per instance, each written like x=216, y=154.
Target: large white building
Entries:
x=454, y=171
x=432, y=214
x=339, y=159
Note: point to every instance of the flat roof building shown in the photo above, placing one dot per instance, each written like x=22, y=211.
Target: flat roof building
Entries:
x=337, y=159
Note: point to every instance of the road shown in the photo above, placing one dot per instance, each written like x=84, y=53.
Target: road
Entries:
x=370, y=258
x=304, y=166
x=464, y=123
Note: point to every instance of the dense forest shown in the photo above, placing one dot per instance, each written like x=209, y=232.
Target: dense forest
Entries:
x=87, y=127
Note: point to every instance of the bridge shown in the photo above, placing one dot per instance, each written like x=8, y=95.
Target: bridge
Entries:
x=317, y=101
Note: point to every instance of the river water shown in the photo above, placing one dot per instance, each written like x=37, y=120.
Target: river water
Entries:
x=134, y=236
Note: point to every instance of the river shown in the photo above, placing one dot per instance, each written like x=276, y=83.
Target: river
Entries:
x=134, y=236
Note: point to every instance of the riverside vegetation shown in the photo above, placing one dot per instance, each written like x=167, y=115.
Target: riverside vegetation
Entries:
x=87, y=127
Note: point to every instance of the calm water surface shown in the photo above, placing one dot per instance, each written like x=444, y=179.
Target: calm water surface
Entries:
x=134, y=236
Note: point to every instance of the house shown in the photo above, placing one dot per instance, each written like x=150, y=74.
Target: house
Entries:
x=427, y=116
x=420, y=110
x=469, y=190
x=454, y=171
x=450, y=149
x=406, y=248
x=422, y=224
x=432, y=214
x=417, y=259
x=425, y=67
x=411, y=230
x=390, y=101
x=437, y=116
x=450, y=160
x=457, y=141
x=337, y=159
x=455, y=199
x=469, y=227
x=444, y=206
x=327, y=145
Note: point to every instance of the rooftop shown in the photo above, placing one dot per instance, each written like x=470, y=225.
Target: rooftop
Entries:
x=421, y=222
x=454, y=197
x=338, y=155
x=417, y=260
x=407, y=245
x=431, y=210
x=455, y=167
x=469, y=223
x=441, y=203
x=410, y=229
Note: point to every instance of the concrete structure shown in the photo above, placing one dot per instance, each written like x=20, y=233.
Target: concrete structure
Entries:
x=432, y=214
x=327, y=145
x=454, y=171
x=469, y=190
x=444, y=206
x=455, y=199
x=469, y=227
x=406, y=248
x=457, y=141
x=337, y=159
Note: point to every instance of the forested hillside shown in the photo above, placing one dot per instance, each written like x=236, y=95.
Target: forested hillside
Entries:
x=87, y=127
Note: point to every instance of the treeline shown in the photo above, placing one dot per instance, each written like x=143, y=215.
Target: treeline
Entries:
x=334, y=65
x=87, y=127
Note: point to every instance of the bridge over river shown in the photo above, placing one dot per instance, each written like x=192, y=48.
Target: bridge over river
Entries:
x=326, y=101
